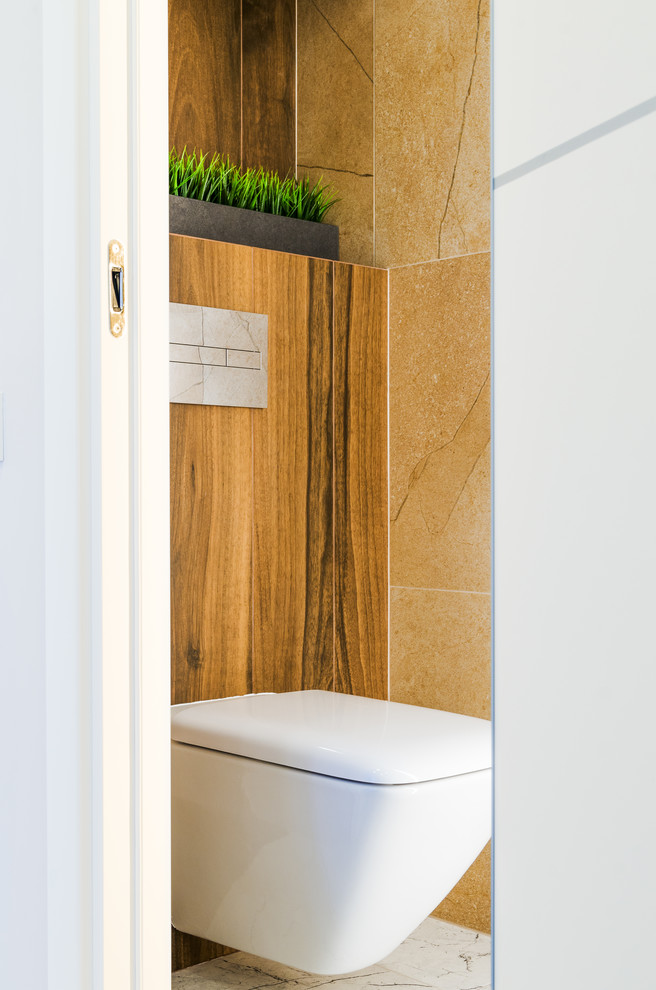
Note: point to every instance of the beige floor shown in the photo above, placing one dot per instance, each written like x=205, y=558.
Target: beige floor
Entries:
x=435, y=955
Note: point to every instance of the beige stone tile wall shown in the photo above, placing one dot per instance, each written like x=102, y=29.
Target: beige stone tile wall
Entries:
x=440, y=424
x=469, y=902
x=335, y=121
x=441, y=650
x=432, y=157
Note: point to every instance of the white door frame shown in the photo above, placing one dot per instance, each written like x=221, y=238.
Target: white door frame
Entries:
x=105, y=132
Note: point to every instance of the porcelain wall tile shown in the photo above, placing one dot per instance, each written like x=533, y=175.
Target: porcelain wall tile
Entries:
x=205, y=76
x=440, y=650
x=335, y=82
x=441, y=536
x=336, y=113
x=361, y=515
x=353, y=213
x=268, y=90
x=293, y=457
x=432, y=164
x=469, y=902
x=439, y=424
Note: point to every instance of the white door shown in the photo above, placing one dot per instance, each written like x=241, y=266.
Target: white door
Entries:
x=574, y=494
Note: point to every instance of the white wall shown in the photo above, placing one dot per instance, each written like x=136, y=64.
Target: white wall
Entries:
x=44, y=637
x=575, y=496
x=22, y=544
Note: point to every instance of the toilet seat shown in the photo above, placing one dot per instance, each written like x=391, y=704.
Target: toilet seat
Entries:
x=338, y=735
x=319, y=829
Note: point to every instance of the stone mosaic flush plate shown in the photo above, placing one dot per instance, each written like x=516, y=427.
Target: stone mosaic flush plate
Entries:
x=218, y=357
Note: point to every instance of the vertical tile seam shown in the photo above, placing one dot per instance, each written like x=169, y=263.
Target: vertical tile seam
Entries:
x=252, y=687
x=296, y=89
x=373, y=111
x=252, y=677
x=389, y=527
x=241, y=82
x=334, y=506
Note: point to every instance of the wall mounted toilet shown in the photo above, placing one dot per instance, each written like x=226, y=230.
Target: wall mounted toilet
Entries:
x=319, y=829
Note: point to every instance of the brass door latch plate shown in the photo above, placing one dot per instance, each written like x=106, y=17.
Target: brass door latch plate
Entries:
x=116, y=277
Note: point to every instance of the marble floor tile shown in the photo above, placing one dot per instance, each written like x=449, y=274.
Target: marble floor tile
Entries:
x=437, y=955
x=237, y=970
x=445, y=956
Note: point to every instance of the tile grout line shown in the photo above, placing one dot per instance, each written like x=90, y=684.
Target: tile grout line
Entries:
x=389, y=527
x=252, y=550
x=296, y=90
x=241, y=82
x=432, y=261
x=446, y=591
x=333, y=514
x=253, y=487
x=373, y=113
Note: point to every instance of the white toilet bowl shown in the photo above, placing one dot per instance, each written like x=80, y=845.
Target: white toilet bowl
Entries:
x=318, y=829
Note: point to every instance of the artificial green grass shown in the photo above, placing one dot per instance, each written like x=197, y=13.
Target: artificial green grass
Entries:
x=219, y=181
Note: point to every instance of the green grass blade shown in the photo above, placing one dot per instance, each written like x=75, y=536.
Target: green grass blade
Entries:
x=218, y=180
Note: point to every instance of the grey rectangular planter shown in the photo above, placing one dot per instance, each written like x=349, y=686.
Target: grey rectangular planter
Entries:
x=264, y=230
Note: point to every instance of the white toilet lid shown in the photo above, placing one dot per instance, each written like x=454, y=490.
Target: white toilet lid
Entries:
x=378, y=742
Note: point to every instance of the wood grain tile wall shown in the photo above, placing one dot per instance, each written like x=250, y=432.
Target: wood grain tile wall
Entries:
x=279, y=515
x=293, y=478
x=232, y=79
x=360, y=481
x=205, y=76
x=269, y=84
x=211, y=500
x=211, y=520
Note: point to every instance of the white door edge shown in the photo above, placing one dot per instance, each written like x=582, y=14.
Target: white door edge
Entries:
x=148, y=50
